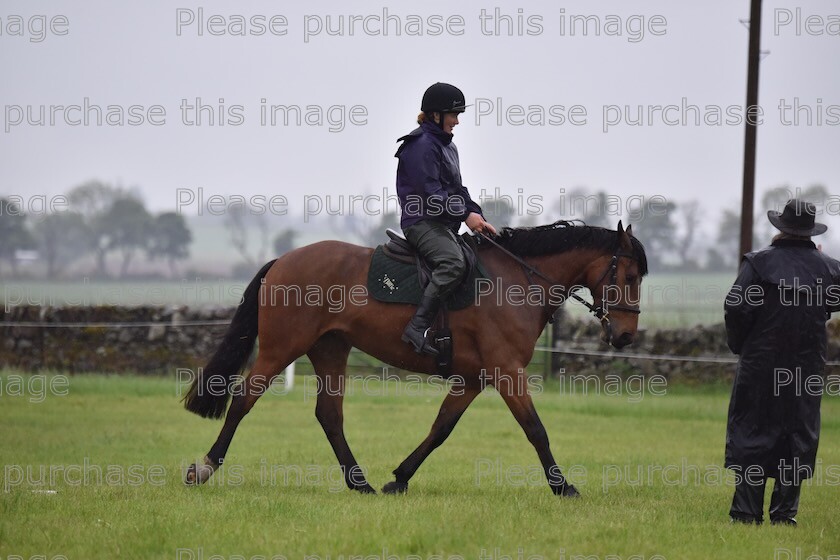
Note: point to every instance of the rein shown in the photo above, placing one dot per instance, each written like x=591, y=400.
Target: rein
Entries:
x=602, y=314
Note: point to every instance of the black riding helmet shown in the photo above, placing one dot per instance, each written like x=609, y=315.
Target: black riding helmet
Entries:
x=443, y=98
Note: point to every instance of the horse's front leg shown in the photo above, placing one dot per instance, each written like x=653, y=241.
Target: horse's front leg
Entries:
x=514, y=391
x=454, y=405
x=329, y=358
x=330, y=414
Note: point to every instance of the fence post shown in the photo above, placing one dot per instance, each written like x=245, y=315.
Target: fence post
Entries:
x=556, y=337
x=290, y=377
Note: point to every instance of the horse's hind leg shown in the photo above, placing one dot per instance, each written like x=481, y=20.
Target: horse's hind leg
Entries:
x=454, y=405
x=246, y=394
x=329, y=358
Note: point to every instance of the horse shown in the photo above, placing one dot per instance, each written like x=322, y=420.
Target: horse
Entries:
x=493, y=340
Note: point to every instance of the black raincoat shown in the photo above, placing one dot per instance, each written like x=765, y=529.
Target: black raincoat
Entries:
x=775, y=320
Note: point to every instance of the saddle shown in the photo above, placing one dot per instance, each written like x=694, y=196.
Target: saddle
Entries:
x=399, y=275
x=399, y=249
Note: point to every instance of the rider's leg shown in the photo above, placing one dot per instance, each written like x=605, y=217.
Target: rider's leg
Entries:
x=437, y=244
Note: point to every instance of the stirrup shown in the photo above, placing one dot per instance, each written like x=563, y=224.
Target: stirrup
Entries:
x=425, y=347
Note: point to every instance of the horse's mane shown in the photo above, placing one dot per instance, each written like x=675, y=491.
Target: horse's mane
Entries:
x=564, y=236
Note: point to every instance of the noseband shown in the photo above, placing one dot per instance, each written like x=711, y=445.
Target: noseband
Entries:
x=612, y=270
x=599, y=311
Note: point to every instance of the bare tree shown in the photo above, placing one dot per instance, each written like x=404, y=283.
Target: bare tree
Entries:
x=170, y=239
x=127, y=226
x=284, y=241
x=657, y=230
x=690, y=213
x=580, y=204
x=239, y=220
x=725, y=255
x=13, y=233
x=93, y=200
x=499, y=212
x=62, y=238
x=369, y=232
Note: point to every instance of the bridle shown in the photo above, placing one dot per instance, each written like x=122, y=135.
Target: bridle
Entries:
x=602, y=313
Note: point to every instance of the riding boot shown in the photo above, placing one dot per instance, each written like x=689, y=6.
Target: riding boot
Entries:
x=417, y=330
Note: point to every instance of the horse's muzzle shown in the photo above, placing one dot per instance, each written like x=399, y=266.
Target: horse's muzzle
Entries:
x=618, y=342
x=623, y=340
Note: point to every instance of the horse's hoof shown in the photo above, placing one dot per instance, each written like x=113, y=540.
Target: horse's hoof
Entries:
x=569, y=491
x=395, y=488
x=366, y=489
x=199, y=474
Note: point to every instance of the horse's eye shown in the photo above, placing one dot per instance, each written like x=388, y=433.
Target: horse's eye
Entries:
x=631, y=278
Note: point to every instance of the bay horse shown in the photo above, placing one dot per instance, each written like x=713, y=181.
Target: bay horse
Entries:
x=493, y=340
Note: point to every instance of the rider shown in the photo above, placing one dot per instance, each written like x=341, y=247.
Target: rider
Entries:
x=434, y=203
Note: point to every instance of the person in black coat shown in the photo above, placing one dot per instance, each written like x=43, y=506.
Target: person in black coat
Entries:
x=775, y=320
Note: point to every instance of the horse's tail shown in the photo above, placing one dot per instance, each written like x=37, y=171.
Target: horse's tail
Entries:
x=210, y=390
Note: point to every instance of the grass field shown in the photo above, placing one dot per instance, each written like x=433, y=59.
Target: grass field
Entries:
x=94, y=469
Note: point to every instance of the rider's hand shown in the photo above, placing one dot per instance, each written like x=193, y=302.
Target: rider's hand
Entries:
x=477, y=224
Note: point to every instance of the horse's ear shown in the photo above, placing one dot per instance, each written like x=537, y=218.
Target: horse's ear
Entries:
x=629, y=230
x=624, y=237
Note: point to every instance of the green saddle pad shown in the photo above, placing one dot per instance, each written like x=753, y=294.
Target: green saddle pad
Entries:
x=391, y=281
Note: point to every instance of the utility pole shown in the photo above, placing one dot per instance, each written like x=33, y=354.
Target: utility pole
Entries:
x=748, y=191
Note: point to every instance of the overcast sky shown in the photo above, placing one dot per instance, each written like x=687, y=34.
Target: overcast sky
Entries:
x=668, y=53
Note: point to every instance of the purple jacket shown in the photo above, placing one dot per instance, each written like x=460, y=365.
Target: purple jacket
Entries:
x=429, y=179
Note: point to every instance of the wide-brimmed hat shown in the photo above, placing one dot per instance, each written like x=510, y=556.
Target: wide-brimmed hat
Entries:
x=798, y=218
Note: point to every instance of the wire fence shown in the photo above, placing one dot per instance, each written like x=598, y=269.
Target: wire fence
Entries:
x=542, y=349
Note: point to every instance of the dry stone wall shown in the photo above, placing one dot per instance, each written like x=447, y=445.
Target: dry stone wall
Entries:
x=157, y=340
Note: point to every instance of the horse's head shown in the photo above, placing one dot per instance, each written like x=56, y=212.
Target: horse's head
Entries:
x=615, y=281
